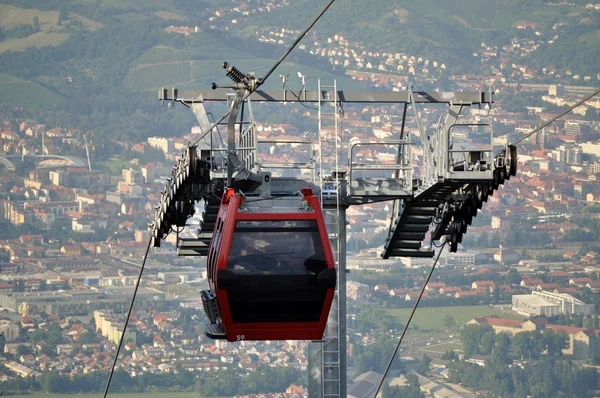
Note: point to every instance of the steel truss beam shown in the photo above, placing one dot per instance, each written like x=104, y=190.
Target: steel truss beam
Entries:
x=420, y=97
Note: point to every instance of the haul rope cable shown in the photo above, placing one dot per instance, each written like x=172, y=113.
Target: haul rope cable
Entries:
x=137, y=285
x=581, y=102
x=259, y=83
x=389, y=365
x=558, y=117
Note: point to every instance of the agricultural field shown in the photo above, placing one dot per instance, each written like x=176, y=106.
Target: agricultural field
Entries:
x=158, y=75
x=39, y=39
x=25, y=93
x=113, y=166
x=11, y=17
x=432, y=318
x=50, y=31
x=169, y=15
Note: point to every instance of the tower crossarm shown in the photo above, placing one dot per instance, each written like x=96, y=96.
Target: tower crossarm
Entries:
x=189, y=96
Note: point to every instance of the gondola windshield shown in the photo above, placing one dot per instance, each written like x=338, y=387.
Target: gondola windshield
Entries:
x=276, y=247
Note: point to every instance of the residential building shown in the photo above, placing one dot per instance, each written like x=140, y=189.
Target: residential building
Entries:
x=9, y=329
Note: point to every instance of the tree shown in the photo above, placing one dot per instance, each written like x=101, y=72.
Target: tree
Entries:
x=488, y=341
x=423, y=367
x=488, y=295
x=556, y=342
x=412, y=380
x=54, y=334
x=43, y=285
x=501, y=348
x=48, y=350
x=36, y=22
x=513, y=277
x=449, y=321
x=18, y=286
x=522, y=345
x=63, y=15
x=22, y=350
x=88, y=338
x=496, y=294
x=52, y=382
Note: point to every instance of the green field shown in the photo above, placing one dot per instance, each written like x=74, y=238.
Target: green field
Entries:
x=10, y=79
x=25, y=93
x=11, y=16
x=159, y=75
x=114, y=167
x=432, y=318
x=50, y=32
x=169, y=15
x=125, y=395
x=40, y=39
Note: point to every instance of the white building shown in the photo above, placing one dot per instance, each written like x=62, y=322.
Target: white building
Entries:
x=549, y=304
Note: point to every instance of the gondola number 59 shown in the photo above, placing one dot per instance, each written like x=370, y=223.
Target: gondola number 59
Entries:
x=240, y=337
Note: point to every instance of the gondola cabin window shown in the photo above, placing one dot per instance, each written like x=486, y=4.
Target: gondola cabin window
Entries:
x=276, y=247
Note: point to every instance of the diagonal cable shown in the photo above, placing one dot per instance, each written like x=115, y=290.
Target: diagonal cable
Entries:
x=137, y=285
x=389, y=365
x=589, y=97
x=298, y=39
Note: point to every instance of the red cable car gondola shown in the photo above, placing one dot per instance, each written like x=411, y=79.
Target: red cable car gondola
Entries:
x=270, y=269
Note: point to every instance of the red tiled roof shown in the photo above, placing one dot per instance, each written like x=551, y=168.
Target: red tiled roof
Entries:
x=567, y=329
x=503, y=322
x=532, y=282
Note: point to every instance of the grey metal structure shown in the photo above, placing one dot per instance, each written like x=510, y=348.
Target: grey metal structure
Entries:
x=455, y=179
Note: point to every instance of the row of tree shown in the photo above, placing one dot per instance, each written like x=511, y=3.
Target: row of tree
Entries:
x=228, y=382
x=548, y=377
x=482, y=339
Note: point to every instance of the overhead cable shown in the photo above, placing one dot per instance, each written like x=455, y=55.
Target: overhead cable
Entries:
x=298, y=39
x=137, y=285
x=589, y=97
x=389, y=365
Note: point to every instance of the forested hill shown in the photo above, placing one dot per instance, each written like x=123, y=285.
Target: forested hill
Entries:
x=104, y=72
x=447, y=30
x=96, y=65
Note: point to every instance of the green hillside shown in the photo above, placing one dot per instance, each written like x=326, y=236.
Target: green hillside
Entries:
x=40, y=39
x=51, y=29
x=163, y=66
x=94, y=64
x=444, y=29
x=26, y=93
